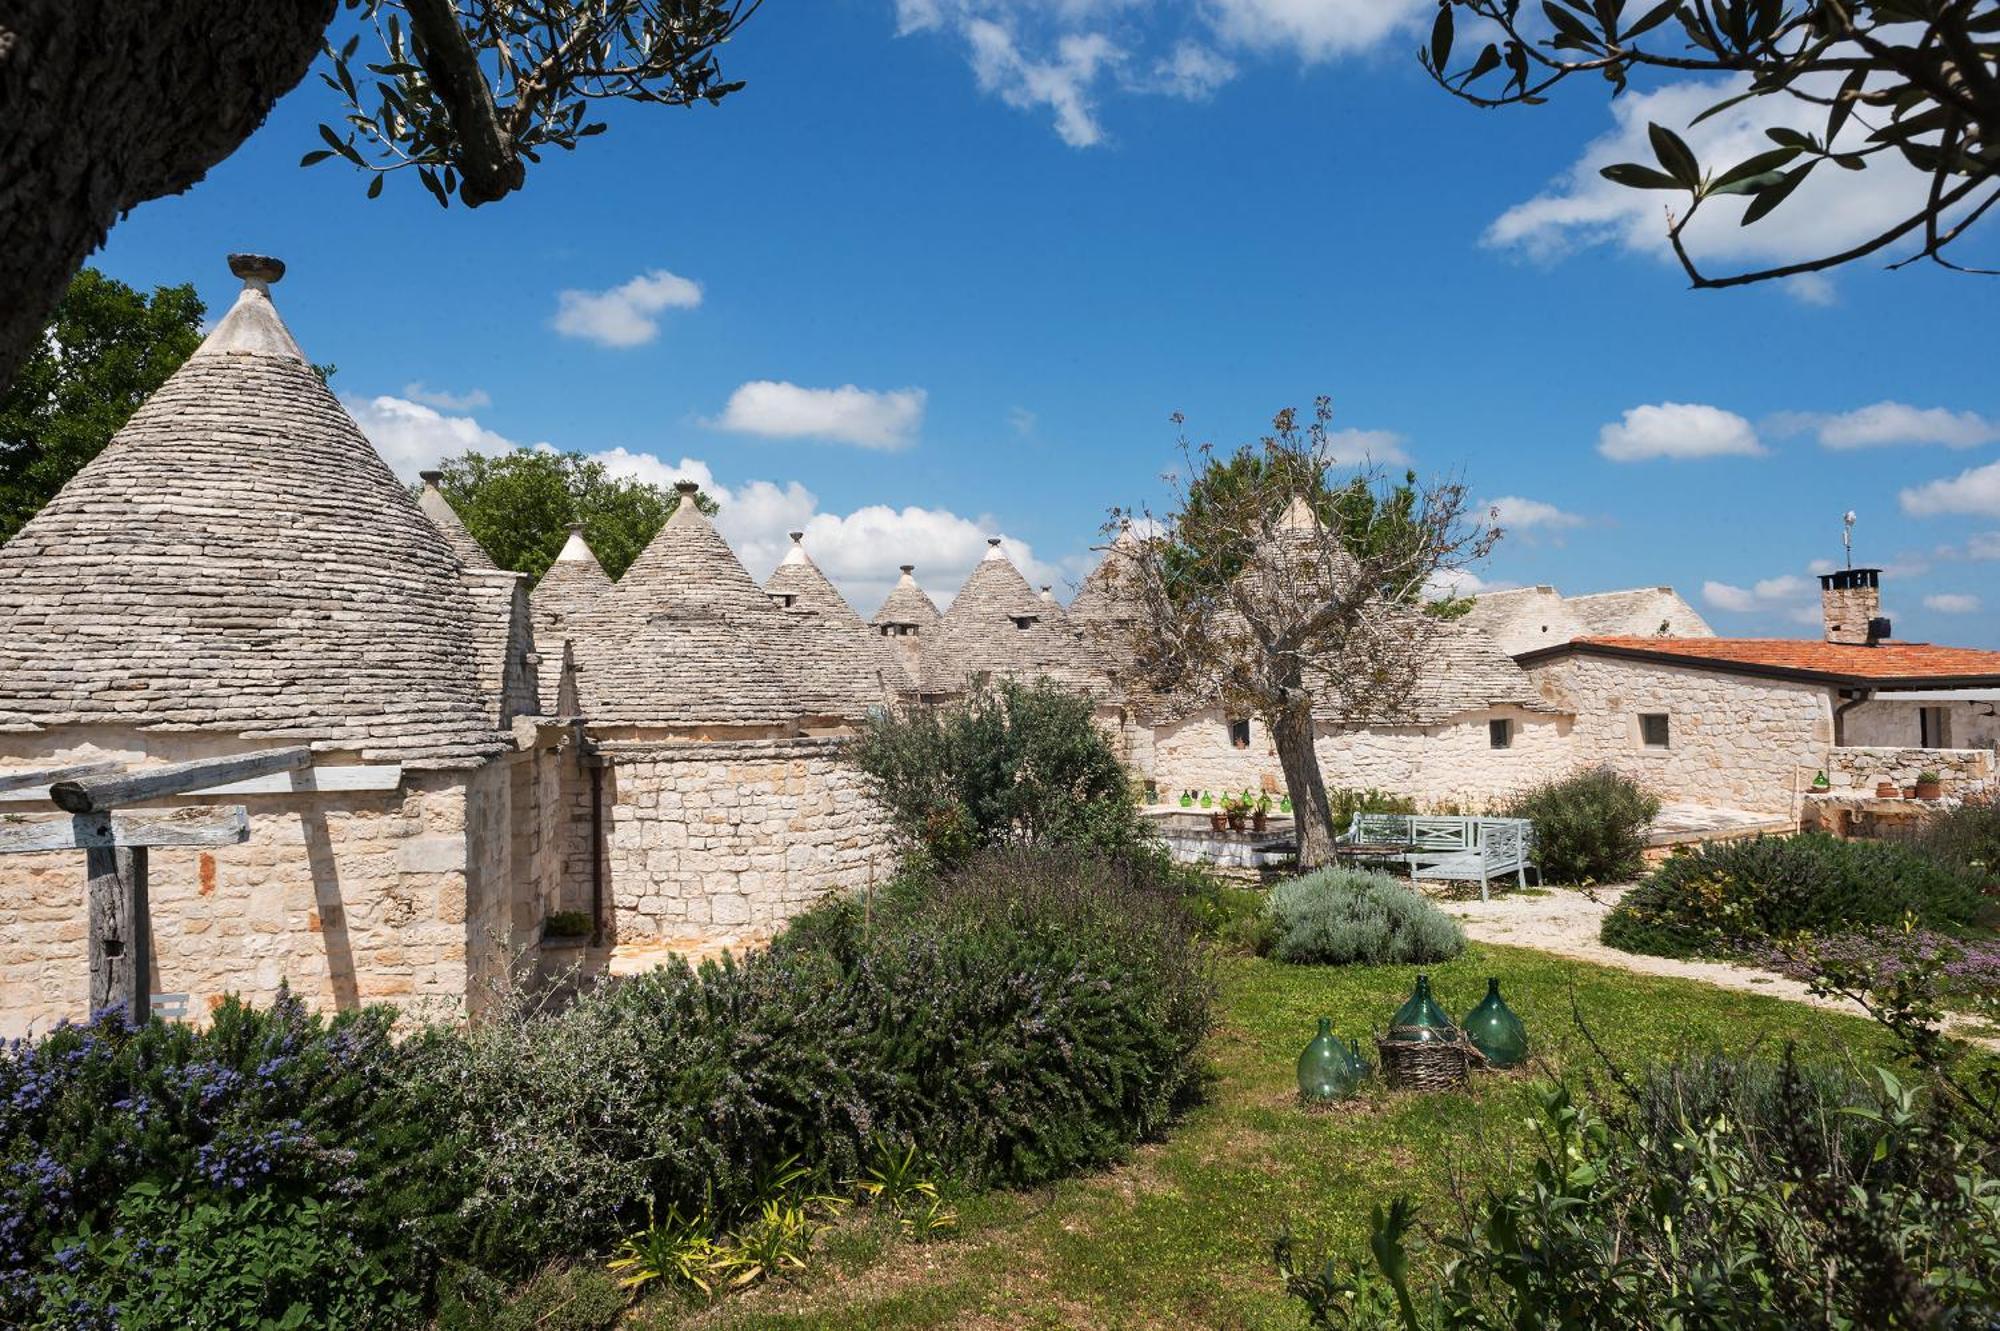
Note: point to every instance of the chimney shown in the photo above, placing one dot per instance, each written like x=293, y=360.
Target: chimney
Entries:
x=1850, y=603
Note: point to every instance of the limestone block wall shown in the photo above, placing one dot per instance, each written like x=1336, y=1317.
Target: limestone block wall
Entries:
x=1885, y=722
x=351, y=898
x=1452, y=764
x=1859, y=768
x=730, y=838
x=1736, y=741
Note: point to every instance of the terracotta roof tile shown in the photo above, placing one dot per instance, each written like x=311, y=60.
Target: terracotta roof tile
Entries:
x=1886, y=662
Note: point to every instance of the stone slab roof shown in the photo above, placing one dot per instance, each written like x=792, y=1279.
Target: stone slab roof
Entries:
x=1522, y=619
x=998, y=626
x=570, y=585
x=687, y=638
x=503, y=627
x=907, y=603
x=1887, y=664
x=445, y=518
x=238, y=559
x=807, y=588
x=1640, y=612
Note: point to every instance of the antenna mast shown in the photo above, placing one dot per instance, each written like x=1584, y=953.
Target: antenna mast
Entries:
x=1847, y=535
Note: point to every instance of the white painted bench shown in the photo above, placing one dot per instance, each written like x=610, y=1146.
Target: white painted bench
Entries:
x=1443, y=847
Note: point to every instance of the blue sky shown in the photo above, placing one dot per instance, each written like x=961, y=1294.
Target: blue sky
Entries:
x=1024, y=232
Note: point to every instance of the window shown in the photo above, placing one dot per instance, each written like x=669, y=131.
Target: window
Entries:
x=1933, y=728
x=1500, y=734
x=1653, y=731
x=1239, y=734
x=1026, y=621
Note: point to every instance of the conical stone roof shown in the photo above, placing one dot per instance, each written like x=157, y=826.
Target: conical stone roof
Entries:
x=807, y=588
x=238, y=559
x=686, y=638
x=998, y=626
x=907, y=603
x=445, y=518
x=570, y=586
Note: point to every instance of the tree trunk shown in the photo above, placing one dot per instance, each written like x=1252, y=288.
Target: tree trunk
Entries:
x=1312, y=815
x=104, y=105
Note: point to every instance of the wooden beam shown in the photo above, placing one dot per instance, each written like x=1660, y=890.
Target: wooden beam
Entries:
x=306, y=780
x=120, y=932
x=192, y=825
x=93, y=794
x=36, y=781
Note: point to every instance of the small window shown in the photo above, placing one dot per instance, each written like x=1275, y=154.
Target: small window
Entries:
x=1933, y=728
x=1025, y=621
x=1500, y=734
x=1653, y=730
x=1239, y=734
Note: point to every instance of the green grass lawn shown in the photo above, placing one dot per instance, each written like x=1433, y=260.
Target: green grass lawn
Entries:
x=1180, y=1236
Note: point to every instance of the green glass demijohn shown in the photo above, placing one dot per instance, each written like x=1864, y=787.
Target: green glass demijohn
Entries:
x=1324, y=1071
x=1356, y=1062
x=1421, y=1020
x=1187, y=799
x=1494, y=1029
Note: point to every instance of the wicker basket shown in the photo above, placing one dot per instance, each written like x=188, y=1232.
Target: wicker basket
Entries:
x=1426, y=1065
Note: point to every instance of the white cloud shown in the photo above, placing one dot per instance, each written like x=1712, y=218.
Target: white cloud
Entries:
x=1815, y=289
x=1677, y=430
x=1348, y=448
x=411, y=436
x=1191, y=72
x=439, y=398
x=1951, y=603
x=1314, y=30
x=1831, y=211
x=1887, y=423
x=849, y=415
x=1518, y=514
x=624, y=316
x=1786, y=592
x=1061, y=82
x=1975, y=490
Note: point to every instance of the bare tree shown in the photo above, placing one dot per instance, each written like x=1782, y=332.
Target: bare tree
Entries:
x=1916, y=81
x=1280, y=593
x=104, y=106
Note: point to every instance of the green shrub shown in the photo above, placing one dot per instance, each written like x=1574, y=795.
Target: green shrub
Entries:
x=1341, y=917
x=1590, y=827
x=1801, y=1202
x=561, y=1298
x=1723, y=897
x=1013, y=765
x=273, y=1166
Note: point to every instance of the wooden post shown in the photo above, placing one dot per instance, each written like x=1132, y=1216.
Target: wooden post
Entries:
x=94, y=794
x=120, y=932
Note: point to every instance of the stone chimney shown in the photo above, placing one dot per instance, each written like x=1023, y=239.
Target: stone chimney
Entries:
x=1851, y=606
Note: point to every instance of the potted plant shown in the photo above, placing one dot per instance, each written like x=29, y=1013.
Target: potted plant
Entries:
x=1887, y=790
x=1930, y=785
x=1218, y=819
x=1235, y=809
x=566, y=926
x=1260, y=813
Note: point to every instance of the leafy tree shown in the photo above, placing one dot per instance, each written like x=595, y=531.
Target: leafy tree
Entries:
x=1916, y=81
x=106, y=350
x=108, y=106
x=1280, y=594
x=519, y=506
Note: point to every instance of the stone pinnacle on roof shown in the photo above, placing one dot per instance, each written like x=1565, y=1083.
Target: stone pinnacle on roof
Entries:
x=238, y=560
x=439, y=510
x=571, y=586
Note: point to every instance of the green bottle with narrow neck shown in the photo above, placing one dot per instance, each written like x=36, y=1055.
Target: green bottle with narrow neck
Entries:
x=1324, y=1072
x=1421, y=1020
x=1494, y=1029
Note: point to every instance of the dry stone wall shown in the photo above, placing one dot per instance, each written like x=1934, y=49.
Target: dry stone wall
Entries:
x=1886, y=723
x=1859, y=769
x=729, y=839
x=1734, y=740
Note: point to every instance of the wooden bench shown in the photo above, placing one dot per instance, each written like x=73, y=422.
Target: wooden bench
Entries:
x=1447, y=847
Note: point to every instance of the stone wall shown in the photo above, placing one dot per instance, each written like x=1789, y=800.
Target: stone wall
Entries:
x=1858, y=769
x=1450, y=765
x=1736, y=741
x=400, y=896
x=1886, y=722
x=729, y=839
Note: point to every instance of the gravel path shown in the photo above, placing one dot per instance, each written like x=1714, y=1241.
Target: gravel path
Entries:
x=1564, y=921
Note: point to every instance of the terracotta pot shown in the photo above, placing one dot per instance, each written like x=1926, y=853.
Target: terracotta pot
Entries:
x=1219, y=821
x=1236, y=822
x=1260, y=821
x=1930, y=790
x=1886, y=790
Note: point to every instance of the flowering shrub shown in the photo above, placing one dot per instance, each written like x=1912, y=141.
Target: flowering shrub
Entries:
x=1722, y=897
x=267, y=1167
